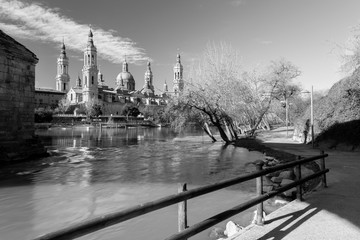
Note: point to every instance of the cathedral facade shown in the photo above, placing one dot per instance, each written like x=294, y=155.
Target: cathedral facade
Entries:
x=92, y=87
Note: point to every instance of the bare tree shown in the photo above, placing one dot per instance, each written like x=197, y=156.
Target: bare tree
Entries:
x=93, y=108
x=282, y=72
x=211, y=91
x=63, y=105
x=350, y=52
x=222, y=94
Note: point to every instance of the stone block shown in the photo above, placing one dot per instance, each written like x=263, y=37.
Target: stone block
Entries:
x=290, y=192
x=268, y=188
x=267, y=181
x=3, y=68
x=273, y=174
x=232, y=229
x=304, y=172
x=287, y=174
x=217, y=233
x=277, y=179
x=286, y=182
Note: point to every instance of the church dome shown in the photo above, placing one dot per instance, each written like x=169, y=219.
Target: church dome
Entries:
x=124, y=76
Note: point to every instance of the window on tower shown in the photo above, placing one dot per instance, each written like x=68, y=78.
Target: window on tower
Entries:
x=64, y=86
x=92, y=79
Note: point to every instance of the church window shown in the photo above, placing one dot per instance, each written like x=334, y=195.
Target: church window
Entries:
x=86, y=82
x=71, y=97
x=92, y=79
x=64, y=86
x=64, y=69
x=88, y=58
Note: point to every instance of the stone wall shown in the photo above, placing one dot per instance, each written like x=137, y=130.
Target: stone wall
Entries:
x=17, y=93
x=17, y=83
x=17, y=90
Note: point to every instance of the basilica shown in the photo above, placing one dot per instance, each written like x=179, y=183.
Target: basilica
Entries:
x=91, y=86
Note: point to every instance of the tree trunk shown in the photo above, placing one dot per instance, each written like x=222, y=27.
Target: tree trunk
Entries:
x=222, y=132
x=208, y=132
x=234, y=131
x=230, y=135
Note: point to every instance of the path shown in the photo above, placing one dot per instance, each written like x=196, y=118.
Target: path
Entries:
x=331, y=213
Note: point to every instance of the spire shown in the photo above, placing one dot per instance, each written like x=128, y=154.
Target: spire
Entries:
x=63, y=52
x=125, y=65
x=63, y=45
x=165, y=87
x=78, y=82
x=90, y=38
x=178, y=58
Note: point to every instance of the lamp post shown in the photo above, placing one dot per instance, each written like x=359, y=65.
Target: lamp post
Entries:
x=287, y=116
x=311, y=115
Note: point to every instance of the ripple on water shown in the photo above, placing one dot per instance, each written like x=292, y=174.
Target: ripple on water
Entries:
x=92, y=172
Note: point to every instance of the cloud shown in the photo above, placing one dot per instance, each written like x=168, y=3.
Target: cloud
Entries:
x=263, y=42
x=237, y=3
x=39, y=23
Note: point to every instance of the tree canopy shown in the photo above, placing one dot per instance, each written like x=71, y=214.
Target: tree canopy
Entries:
x=221, y=93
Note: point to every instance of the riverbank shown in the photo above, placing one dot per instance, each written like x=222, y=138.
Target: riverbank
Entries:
x=264, y=142
x=331, y=213
x=256, y=144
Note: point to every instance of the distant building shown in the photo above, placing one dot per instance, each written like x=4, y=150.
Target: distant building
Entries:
x=92, y=86
x=178, y=76
x=62, y=76
x=47, y=97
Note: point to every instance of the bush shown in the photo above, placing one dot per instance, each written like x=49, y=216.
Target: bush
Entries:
x=43, y=115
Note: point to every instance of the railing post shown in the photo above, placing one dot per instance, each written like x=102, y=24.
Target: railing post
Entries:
x=324, y=183
x=182, y=209
x=259, y=190
x=298, y=187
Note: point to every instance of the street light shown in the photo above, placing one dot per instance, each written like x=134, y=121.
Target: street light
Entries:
x=311, y=114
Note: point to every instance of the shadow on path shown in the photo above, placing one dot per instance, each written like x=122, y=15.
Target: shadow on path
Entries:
x=294, y=220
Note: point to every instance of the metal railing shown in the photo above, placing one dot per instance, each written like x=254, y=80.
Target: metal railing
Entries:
x=107, y=220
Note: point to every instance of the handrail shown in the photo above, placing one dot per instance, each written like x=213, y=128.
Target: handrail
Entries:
x=107, y=220
x=198, y=227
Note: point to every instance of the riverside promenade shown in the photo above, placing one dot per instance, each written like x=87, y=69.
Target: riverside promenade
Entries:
x=325, y=213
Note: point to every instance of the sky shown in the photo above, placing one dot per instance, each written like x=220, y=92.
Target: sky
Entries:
x=306, y=32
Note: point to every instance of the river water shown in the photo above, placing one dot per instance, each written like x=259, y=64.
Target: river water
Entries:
x=95, y=171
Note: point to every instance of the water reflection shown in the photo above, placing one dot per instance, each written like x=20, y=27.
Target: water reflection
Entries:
x=96, y=171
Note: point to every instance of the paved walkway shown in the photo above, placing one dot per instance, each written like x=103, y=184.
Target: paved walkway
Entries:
x=330, y=213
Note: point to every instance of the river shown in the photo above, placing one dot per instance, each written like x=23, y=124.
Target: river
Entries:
x=92, y=171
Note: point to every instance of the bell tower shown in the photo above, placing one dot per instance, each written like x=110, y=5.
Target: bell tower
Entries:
x=178, y=83
x=90, y=71
x=62, y=76
x=148, y=86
